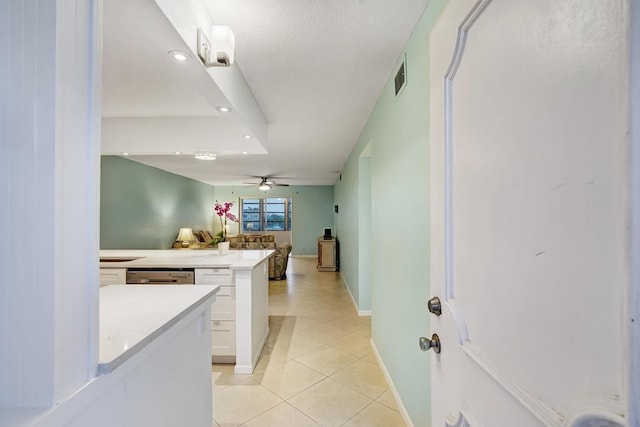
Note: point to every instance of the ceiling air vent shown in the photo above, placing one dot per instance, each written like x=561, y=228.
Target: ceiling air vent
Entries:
x=400, y=80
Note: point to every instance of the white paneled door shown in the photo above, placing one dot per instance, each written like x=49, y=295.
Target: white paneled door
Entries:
x=529, y=120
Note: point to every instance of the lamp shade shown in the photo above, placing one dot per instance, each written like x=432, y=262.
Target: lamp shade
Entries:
x=185, y=235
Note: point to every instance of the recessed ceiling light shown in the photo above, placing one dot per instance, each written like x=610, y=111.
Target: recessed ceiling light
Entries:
x=245, y=152
x=247, y=136
x=223, y=109
x=205, y=156
x=125, y=154
x=178, y=152
x=179, y=55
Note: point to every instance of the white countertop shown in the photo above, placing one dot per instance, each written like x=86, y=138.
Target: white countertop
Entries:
x=184, y=258
x=132, y=316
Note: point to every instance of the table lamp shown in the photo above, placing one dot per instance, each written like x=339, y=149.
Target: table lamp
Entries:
x=185, y=237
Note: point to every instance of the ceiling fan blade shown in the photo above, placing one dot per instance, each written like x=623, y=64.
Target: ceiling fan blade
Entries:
x=280, y=185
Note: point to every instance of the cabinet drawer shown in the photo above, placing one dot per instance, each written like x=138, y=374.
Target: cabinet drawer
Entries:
x=223, y=338
x=225, y=306
x=113, y=276
x=214, y=276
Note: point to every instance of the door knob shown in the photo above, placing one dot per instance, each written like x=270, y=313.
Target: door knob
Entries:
x=434, y=306
x=434, y=343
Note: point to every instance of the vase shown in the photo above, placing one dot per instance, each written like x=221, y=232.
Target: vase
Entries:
x=223, y=247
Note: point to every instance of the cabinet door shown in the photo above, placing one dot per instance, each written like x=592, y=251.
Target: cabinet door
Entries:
x=225, y=306
x=223, y=338
x=327, y=255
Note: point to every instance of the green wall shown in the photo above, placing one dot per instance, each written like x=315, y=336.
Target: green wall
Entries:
x=397, y=135
x=312, y=211
x=142, y=207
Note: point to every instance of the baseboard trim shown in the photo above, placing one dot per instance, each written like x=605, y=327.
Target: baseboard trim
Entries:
x=361, y=313
x=392, y=387
x=304, y=256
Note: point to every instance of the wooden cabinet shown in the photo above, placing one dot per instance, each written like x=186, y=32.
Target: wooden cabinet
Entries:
x=327, y=254
x=223, y=313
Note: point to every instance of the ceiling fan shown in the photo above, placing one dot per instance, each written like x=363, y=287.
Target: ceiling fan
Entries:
x=266, y=183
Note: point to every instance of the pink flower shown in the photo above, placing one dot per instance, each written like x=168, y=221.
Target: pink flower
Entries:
x=223, y=212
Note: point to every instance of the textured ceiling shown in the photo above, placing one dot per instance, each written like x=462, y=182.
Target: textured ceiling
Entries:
x=315, y=68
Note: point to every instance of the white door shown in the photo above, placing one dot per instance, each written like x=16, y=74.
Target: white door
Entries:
x=529, y=184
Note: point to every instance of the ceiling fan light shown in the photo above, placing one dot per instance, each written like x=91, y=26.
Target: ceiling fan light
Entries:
x=264, y=187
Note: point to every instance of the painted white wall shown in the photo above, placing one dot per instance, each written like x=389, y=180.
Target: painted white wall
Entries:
x=49, y=154
x=633, y=298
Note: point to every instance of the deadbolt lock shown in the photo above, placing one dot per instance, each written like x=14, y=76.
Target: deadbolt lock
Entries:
x=434, y=343
x=434, y=306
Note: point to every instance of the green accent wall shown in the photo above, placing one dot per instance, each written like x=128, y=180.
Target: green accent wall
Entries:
x=312, y=211
x=142, y=207
x=391, y=190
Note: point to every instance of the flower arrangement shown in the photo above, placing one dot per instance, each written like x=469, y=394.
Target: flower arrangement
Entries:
x=223, y=211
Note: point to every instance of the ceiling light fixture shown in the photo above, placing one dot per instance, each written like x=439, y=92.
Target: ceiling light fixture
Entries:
x=264, y=187
x=219, y=51
x=247, y=136
x=223, y=109
x=178, y=152
x=205, y=156
x=179, y=55
x=245, y=152
x=125, y=154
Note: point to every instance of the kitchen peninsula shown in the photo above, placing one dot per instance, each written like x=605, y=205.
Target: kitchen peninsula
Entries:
x=240, y=315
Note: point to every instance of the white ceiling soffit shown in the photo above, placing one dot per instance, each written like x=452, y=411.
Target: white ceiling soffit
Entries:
x=315, y=69
x=153, y=104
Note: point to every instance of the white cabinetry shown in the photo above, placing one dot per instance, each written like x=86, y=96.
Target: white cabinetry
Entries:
x=113, y=276
x=223, y=312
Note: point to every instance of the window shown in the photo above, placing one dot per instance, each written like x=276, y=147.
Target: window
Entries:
x=266, y=214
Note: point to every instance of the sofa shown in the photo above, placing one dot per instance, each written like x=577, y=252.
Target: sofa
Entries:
x=277, y=262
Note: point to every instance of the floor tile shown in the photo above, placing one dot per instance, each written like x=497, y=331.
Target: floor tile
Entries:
x=376, y=415
x=327, y=360
x=288, y=379
x=318, y=367
x=351, y=322
x=235, y=405
x=364, y=377
x=269, y=358
x=329, y=403
x=323, y=333
x=293, y=345
x=323, y=314
x=222, y=376
x=298, y=323
x=370, y=357
x=281, y=416
x=355, y=344
x=388, y=400
x=276, y=330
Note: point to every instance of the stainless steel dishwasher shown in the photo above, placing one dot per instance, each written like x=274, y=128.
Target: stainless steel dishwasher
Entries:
x=160, y=276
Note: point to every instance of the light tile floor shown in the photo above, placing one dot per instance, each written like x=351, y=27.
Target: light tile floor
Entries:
x=317, y=368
